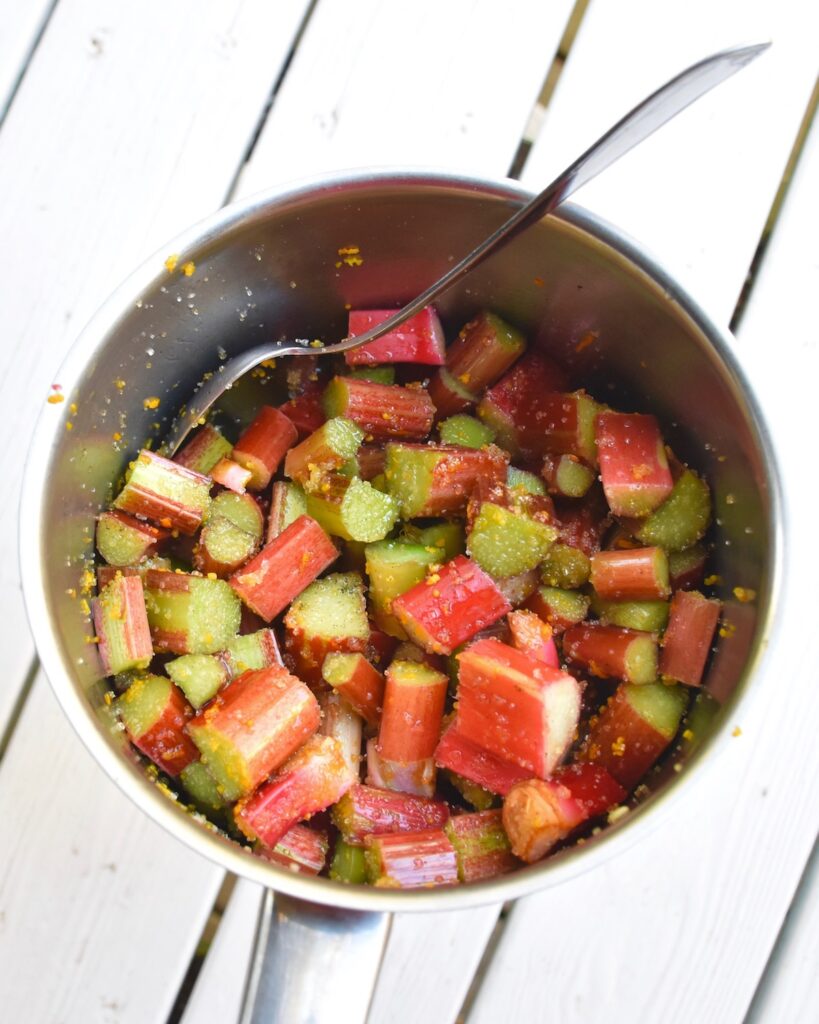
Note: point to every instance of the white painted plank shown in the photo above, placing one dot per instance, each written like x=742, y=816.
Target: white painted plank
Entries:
x=107, y=153
x=448, y=85
x=22, y=24
x=100, y=909
x=429, y=964
x=789, y=990
x=217, y=994
x=680, y=928
x=698, y=192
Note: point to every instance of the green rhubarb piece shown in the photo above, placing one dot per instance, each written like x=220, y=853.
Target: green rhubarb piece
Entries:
x=640, y=662
x=506, y=543
x=660, y=705
x=201, y=787
x=333, y=445
x=573, y=478
x=198, y=676
x=492, y=838
x=565, y=605
x=363, y=513
x=683, y=517
x=376, y=374
x=155, y=475
x=451, y=383
x=465, y=431
x=409, y=473
x=249, y=651
x=330, y=608
x=120, y=543
x=121, y=617
x=227, y=543
x=565, y=567
x=206, y=614
x=646, y=616
x=143, y=703
x=207, y=448
x=680, y=562
x=476, y=796
x=239, y=510
x=295, y=503
x=393, y=567
x=699, y=722
x=348, y=864
x=446, y=538
x=522, y=480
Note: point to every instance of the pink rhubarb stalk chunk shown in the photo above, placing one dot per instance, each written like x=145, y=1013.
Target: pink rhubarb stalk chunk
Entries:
x=284, y=568
x=263, y=445
x=687, y=641
x=165, y=492
x=516, y=706
x=450, y=606
x=301, y=849
x=252, y=726
x=155, y=714
x=635, y=574
x=633, y=465
x=411, y=861
x=369, y=810
x=481, y=845
x=418, y=340
x=121, y=624
x=312, y=780
x=612, y=652
x=477, y=764
x=533, y=636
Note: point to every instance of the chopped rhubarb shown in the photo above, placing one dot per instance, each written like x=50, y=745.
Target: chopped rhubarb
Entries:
x=372, y=460
x=264, y=444
x=312, y=780
x=204, y=450
x=330, y=615
x=646, y=616
x=686, y=568
x=201, y=787
x=343, y=723
x=506, y=542
x=635, y=574
x=533, y=636
x=352, y=509
x=417, y=777
x=471, y=793
x=450, y=606
x=481, y=845
x=231, y=535
x=282, y=569
x=124, y=540
x=190, y=614
x=612, y=652
x=361, y=685
x=538, y=814
x=518, y=589
x=414, y=698
x=198, y=676
x=583, y=522
x=287, y=503
x=444, y=539
x=565, y=567
x=465, y=431
x=412, y=861
x=325, y=451
x=634, y=728
x=692, y=621
x=301, y=849
x=348, y=864
x=121, y=624
x=305, y=413
x=511, y=406
x=516, y=706
x=379, y=374
x=165, y=492
x=155, y=714
x=252, y=726
x=231, y=475
x=252, y=651
x=523, y=482
x=633, y=464
x=106, y=573
x=418, y=340
x=394, y=567
x=559, y=608
x=681, y=520
x=437, y=480
x=483, y=351
x=567, y=475
x=381, y=410
x=367, y=811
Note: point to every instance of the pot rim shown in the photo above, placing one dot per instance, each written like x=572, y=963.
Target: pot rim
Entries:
x=218, y=848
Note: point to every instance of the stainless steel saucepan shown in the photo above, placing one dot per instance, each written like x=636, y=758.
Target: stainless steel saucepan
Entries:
x=274, y=266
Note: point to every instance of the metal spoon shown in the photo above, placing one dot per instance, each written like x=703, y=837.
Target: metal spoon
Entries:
x=678, y=93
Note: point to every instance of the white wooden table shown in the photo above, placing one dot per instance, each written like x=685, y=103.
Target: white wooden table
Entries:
x=125, y=122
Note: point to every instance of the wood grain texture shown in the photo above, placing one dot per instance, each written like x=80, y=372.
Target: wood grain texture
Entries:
x=100, y=909
x=108, y=152
x=698, y=192
x=428, y=84
x=680, y=928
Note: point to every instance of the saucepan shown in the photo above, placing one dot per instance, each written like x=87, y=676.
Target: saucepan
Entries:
x=275, y=266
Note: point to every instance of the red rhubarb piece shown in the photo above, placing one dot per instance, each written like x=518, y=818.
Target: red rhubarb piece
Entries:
x=533, y=636
x=633, y=463
x=481, y=845
x=252, y=726
x=382, y=411
x=612, y=652
x=418, y=340
x=691, y=623
x=450, y=606
x=264, y=444
x=312, y=780
x=204, y=450
x=305, y=413
x=411, y=861
x=359, y=682
x=301, y=849
x=231, y=475
x=476, y=763
x=155, y=714
x=121, y=625
x=636, y=574
x=171, y=495
x=366, y=810
x=516, y=706
x=284, y=568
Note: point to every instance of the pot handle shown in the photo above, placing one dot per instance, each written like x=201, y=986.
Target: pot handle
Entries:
x=311, y=963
